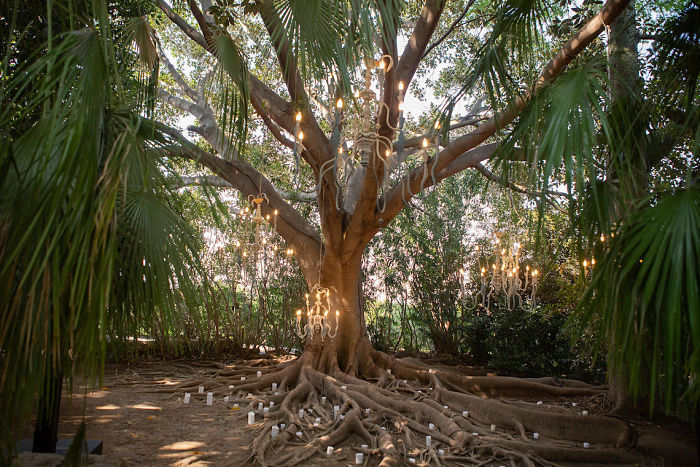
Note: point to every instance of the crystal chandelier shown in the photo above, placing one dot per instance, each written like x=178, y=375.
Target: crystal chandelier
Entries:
x=317, y=315
x=503, y=278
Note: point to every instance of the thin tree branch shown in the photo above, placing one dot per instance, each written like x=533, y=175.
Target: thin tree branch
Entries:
x=449, y=30
x=182, y=24
x=217, y=181
x=186, y=88
x=516, y=187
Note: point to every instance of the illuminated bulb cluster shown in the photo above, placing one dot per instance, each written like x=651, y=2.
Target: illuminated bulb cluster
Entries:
x=503, y=277
x=317, y=320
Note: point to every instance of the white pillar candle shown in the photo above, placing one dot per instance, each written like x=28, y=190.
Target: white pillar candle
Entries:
x=358, y=458
x=277, y=393
x=405, y=381
x=250, y=394
x=586, y=445
x=301, y=413
x=475, y=434
x=384, y=428
x=235, y=407
x=431, y=426
x=251, y=417
x=465, y=413
x=282, y=426
x=274, y=386
x=210, y=398
x=298, y=434
x=272, y=404
x=444, y=407
x=388, y=370
x=242, y=378
x=318, y=420
x=536, y=435
x=260, y=405
x=367, y=410
x=342, y=416
x=266, y=411
x=329, y=450
x=574, y=404
x=258, y=373
x=428, y=441
x=227, y=398
x=411, y=460
x=343, y=387
x=364, y=446
x=539, y=402
x=275, y=431
x=493, y=427
x=201, y=390
x=231, y=386
x=186, y=399
x=585, y=412
x=441, y=452
x=336, y=409
x=323, y=399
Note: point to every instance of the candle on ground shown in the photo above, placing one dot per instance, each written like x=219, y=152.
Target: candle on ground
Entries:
x=201, y=390
x=298, y=434
x=272, y=404
x=358, y=458
x=231, y=386
x=329, y=450
x=242, y=378
x=301, y=413
x=235, y=407
x=210, y=398
x=465, y=413
x=266, y=411
x=274, y=386
x=428, y=441
x=275, y=431
x=186, y=400
x=493, y=427
x=227, y=398
x=260, y=405
x=258, y=373
x=431, y=426
x=251, y=417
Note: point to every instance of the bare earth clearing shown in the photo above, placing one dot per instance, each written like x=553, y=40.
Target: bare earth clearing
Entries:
x=140, y=426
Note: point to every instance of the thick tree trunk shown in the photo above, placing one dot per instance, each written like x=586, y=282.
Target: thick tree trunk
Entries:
x=349, y=350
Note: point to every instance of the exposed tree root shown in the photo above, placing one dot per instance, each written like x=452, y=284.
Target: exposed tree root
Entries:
x=387, y=407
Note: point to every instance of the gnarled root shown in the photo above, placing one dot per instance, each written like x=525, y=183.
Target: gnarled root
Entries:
x=387, y=407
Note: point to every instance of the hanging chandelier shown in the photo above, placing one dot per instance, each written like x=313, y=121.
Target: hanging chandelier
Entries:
x=502, y=278
x=355, y=138
x=317, y=311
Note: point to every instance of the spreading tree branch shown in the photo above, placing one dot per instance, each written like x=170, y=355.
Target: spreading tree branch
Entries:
x=412, y=182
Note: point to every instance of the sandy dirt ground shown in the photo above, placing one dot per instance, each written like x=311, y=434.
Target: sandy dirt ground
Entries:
x=142, y=427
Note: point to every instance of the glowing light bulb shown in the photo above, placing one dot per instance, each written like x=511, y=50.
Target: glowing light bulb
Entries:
x=400, y=85
x=337, y=313
x=602, y=238
x=425, y=142
x=461, y=271
x=527, y=268
x=276, y=212
x=400, y=106
x=535, y=272
x=514, y=270
x=339, y=104
x=300, y=135
x=585, y=263
x=340, y=149
x=388, y=153
x=437, y=124
x=592, y=261
x=298, y=117
x=298, y=312
x=267, y=217
x=381, y=64
x=247, y=209
x=503, y=251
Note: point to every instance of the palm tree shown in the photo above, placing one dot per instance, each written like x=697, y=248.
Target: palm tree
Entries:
x=88, y=238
